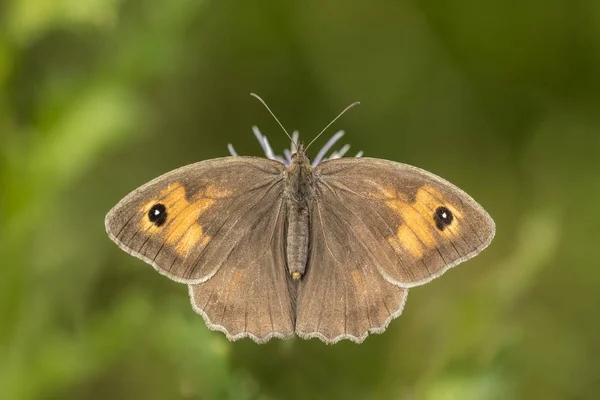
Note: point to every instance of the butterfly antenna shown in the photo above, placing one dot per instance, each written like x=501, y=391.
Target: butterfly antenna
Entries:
x=331, y=123
x=272, y=114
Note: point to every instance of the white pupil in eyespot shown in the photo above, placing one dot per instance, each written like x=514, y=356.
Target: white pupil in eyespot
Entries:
x=157, y=212
x=444, y=215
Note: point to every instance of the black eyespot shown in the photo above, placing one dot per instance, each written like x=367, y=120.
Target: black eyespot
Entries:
x=442, y=217
x=157, y=214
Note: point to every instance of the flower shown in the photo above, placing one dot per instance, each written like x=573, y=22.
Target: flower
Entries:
x=286, y=159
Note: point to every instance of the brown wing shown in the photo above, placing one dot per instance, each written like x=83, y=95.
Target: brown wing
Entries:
x=248, y=295
x=219, y=222
x=416, y=224
x=377, y=228
x=342, y=295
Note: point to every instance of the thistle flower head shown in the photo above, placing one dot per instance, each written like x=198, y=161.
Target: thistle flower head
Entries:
x=286, y=158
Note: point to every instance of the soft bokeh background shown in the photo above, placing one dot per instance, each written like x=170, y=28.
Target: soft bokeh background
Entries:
x=500, y=97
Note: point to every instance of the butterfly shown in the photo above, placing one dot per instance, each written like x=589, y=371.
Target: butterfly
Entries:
x=279, y=246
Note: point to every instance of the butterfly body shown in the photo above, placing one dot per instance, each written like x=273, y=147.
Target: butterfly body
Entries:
x=326, y=251
x=299, y=193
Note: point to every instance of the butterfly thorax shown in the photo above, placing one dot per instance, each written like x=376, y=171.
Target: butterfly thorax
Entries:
x=300, y=177
x=299, y=192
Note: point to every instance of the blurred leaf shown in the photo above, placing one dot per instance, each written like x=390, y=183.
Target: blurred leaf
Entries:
x=27, y=20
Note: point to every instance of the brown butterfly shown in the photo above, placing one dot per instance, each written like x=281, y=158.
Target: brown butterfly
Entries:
x=272, y=247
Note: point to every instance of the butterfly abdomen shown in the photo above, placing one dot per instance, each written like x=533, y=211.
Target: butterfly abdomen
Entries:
x=297, y=239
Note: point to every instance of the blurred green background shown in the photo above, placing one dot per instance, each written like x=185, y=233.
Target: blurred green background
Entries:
x=501, y=97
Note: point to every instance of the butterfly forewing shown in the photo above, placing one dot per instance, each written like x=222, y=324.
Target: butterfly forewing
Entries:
x=187, y=222
x=412, y=224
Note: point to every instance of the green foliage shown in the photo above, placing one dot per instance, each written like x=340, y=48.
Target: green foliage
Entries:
x=98, y=97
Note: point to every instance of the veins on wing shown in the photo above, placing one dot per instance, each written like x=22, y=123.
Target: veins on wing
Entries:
x=323, y=232
x=363, y=224
x=340, y=220
x=279, y=215
x=166, y=240
x=373, y=259
x=419, y=238
x=392, y=231
x=194, y=263
x=343, y=187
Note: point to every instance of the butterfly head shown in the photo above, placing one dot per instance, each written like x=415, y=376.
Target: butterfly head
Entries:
x=299, y=156
x=300, y=164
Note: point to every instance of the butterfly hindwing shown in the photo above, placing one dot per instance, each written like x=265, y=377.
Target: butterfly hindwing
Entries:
x=248, y=295
x=342, y=295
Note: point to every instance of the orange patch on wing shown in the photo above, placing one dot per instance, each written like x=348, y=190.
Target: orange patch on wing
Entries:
x=214, y=192
x=356, y=278
x=417, y=231
x=191, y=238
x=358, y=283
x=406, y=240
x=238, y=278
x=181, y=230
x=384, y=194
